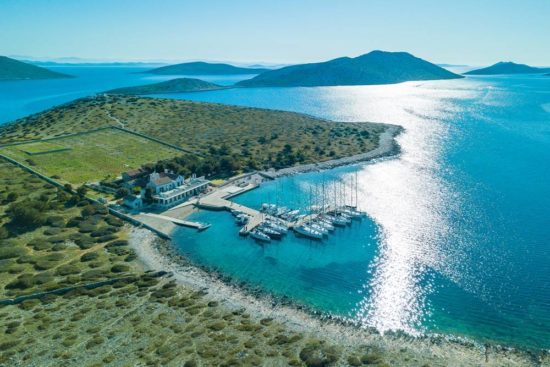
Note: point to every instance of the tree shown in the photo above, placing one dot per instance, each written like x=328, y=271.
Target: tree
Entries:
x=148, y=196
x=12, y=196
x=122, y=192
x=68, y=187
x=82, y=190
x=25, y=214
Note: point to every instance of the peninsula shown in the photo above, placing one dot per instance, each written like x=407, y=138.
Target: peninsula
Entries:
x=376, y=67
x=204, y=68
x=179, y=85
x=11, y=69
x=507, y=68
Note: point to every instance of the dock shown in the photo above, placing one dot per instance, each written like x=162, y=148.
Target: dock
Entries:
x=186, y=223
x=218, y=200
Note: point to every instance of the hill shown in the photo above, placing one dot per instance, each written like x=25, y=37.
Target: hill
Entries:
x=204, y=68
x=11, y=69
x=507, y=68
x=249, y=138
x=376, y=67
x=180, y=85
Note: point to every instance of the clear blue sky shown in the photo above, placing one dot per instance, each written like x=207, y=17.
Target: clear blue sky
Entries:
x=474, y=32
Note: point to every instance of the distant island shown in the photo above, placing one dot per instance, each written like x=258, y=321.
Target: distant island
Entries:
x=376, y=67
x=11, y=69
x=507, y=68
x=179, y=85
x=204, y=68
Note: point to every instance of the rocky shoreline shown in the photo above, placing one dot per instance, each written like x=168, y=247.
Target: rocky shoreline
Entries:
x=387, y=147
x=158, y=254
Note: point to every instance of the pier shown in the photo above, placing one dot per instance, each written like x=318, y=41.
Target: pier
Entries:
x=186, y=223
x=217, y=200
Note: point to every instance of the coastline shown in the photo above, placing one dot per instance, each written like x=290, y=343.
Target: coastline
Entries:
x=398, y=348
x=387, y=147
x=435, y=349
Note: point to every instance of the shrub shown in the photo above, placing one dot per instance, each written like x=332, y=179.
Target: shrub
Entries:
x=117, y=243
x=120, y=268
x=24, y=281
x=104, y=231
x=114, y=221
x=86, y=227
x=11, y=252
x=89, y=256
x=67, y=269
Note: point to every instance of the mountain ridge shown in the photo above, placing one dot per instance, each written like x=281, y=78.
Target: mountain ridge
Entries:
x=204, y=68
x=178, y=85
x=507, y=67
x=11, y=69
x=376, y=67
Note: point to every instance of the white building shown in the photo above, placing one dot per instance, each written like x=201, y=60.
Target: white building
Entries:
x=170, y=189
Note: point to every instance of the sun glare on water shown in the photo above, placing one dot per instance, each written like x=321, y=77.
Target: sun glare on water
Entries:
x=408, y=201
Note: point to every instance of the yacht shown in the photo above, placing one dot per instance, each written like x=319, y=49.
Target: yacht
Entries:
x=259, y=236
x=272, y=233
x=318, y=228
x=308, y=232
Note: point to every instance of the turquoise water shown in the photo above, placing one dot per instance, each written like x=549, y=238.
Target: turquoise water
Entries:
x=458, y=239
x=458, y=235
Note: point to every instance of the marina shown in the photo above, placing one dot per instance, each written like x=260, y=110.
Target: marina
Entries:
x=271, y=222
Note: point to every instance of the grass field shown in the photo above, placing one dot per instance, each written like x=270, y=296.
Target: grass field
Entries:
x=90, y=157
x=42, y=148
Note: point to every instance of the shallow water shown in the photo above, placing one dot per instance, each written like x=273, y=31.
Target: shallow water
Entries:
x=458, y=236
x=457, y=239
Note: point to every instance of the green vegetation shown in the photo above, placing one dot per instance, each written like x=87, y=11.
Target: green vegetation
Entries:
x=11, y=69
x=139, y=319
x=229, y=138
x=90, y=157
x=42, y=148
x=45, y=232
x=180, y=85
x=507, y=68
x=204, y=68
x=376, y=67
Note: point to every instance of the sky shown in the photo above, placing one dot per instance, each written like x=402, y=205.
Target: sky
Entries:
x=472, y=32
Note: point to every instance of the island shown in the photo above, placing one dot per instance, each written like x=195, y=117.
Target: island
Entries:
x=501, y=68
x=11, y=69
x=376, y=67
x=83, y=278
x=204, y=68
x=179, y=85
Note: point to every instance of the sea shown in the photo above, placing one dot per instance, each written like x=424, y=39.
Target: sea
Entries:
x=456, y=240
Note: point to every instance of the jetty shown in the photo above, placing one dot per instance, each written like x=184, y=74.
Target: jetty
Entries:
x=186, y=223
x=218, y=200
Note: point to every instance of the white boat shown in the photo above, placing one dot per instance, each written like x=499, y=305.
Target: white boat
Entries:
x=325, y=224
x=318, y=228
x=337, y=220
x=308, y=232
x=259, y=236
x=270, y=232
x=354, y=214
x=242, y=219
x=278, y=227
